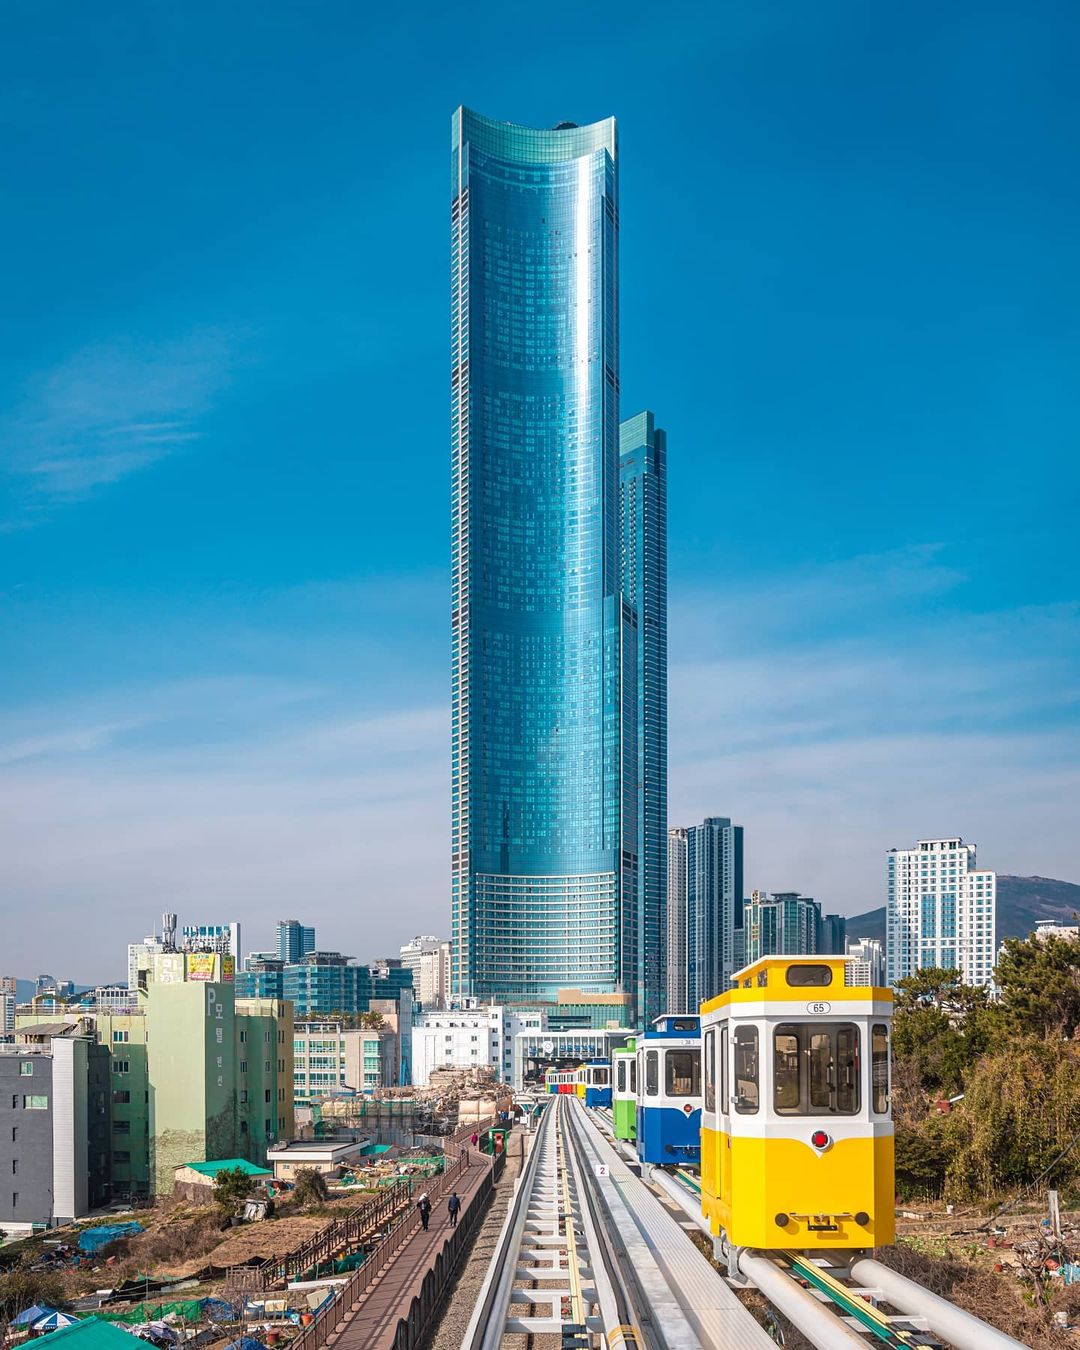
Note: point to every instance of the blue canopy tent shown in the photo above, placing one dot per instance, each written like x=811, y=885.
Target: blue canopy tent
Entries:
x=33, y=1314
x=53, y=1321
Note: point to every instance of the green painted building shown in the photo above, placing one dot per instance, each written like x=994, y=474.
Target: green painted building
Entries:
x=195, y=1073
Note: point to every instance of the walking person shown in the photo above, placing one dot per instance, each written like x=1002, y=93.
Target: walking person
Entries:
x=453, y=1206
x=424, y=1206
x=474, y=1139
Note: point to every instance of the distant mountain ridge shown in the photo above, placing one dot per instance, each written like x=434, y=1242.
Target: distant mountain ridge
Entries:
x=25, y=989
x=1022, y=902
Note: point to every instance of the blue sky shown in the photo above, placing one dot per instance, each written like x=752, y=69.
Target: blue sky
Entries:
x=850, y=292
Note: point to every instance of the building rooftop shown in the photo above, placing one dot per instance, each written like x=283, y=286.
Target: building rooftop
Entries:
x=211, y=1169
x=90, y=1334
x=314, y=1146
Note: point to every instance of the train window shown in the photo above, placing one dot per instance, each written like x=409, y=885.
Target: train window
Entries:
x=786, y=1082
x=682, y=1073
x=620, y=1074
x=684, y=1024
x=816, y=1069
x=745, y=1066
x=633, y=1077
x=799, y=977
x=600, y=1076
x=710, y=1071
x=821, y=1072
x=725, y=1104
x=652, y=1073
x=879, y=1068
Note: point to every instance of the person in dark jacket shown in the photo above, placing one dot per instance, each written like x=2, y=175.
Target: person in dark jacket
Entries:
x=453, y=1206
x=424, y=1206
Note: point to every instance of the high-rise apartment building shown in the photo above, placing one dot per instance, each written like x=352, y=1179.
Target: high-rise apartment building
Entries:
x=643, y=561
x=783, y=924
x=677, y=993
x=429, y=960
x=7, y=1013
x=714, y=906
x=940, y=911
x=832, y=934
x=294, y=940
x=545, y=840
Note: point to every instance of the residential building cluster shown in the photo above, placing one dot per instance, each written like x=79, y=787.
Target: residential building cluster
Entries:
x=186, y=1062
x=713, y=929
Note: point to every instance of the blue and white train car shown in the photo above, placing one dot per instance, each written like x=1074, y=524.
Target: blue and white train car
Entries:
x=669, y=1092
x=594, y=1082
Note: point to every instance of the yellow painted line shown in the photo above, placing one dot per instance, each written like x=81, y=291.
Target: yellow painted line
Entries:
x=577, y=1299
x=857, y=1306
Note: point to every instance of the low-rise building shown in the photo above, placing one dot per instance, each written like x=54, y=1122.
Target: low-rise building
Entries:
x=533, y=1050
x=332, y=1059
x=470, y=1038
x=194, y=1181
x=327, y=1156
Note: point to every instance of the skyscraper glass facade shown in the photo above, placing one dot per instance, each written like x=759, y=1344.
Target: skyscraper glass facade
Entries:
x=545, y=658
x=643, y=556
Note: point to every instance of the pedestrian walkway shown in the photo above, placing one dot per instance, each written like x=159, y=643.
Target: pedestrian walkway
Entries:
x=373, y=1321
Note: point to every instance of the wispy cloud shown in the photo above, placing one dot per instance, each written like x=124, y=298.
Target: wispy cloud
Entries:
x=843, y=709
x=111, y=410
x=246, y=795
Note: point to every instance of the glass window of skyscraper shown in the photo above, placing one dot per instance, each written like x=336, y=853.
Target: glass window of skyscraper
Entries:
x=558, y=784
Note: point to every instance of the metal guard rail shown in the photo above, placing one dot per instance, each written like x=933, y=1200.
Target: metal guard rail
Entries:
x=330, y=1318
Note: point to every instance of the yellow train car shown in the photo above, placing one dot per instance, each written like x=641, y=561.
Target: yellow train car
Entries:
x=796, y=1124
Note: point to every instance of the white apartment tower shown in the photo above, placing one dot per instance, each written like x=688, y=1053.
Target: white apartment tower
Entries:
x=429, y=960
x=940, y=911
x=676, y=921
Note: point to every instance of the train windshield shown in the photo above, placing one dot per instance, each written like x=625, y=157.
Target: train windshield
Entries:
x=816, y=1069
x=599, y=1076
x=682, y=1073
x=620, y=1074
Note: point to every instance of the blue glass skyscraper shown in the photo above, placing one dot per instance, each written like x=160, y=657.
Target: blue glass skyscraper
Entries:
x=643, y=526
x=545, y=838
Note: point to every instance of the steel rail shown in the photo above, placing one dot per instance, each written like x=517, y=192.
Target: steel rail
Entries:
x=961, y=1329
x=684, y=1299
x=485, y=1329
x=620, y=1320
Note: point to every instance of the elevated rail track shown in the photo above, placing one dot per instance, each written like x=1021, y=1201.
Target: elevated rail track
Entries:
x=589, y=1254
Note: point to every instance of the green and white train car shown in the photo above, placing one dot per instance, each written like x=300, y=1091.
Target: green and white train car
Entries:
x=624, y=1092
